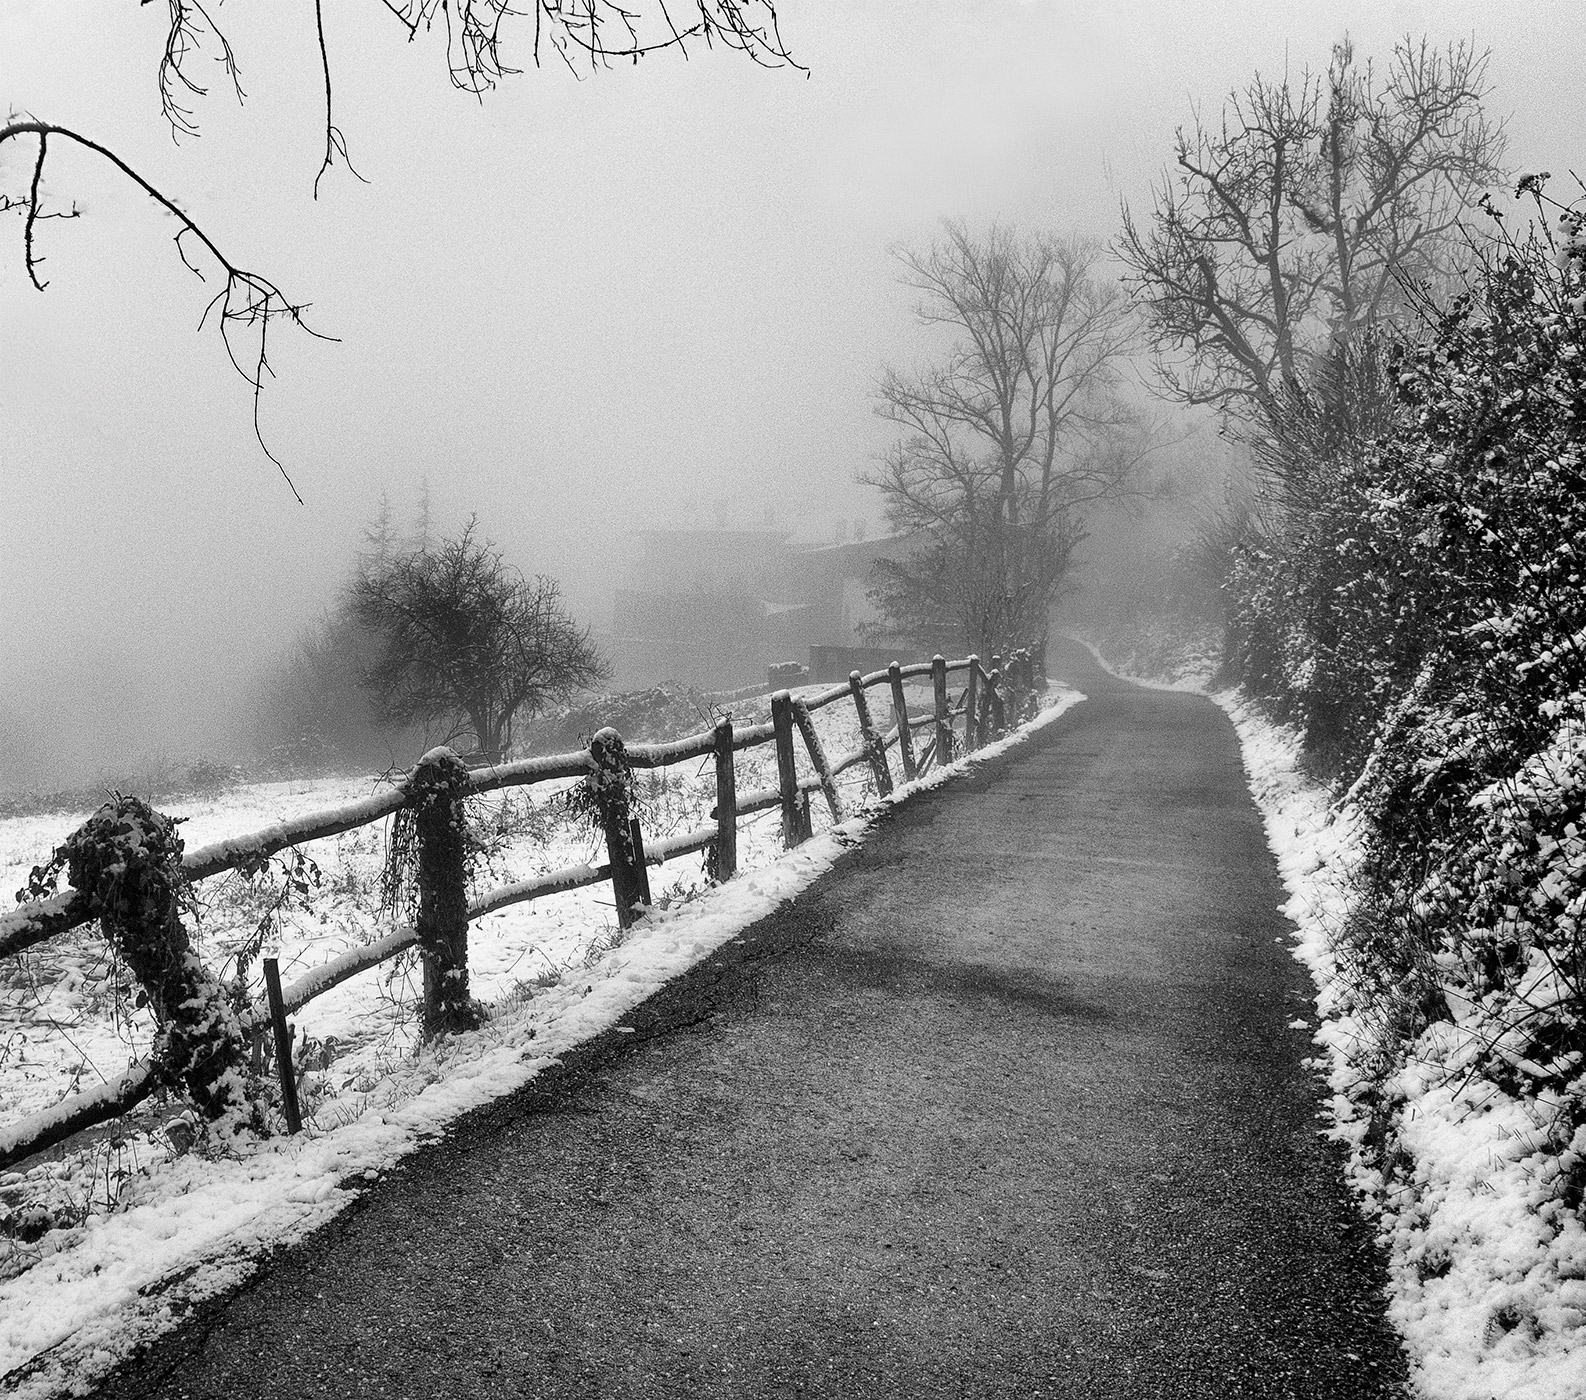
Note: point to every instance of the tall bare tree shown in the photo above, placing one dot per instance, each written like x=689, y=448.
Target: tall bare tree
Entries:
x=1008, y=437
x=1287, y=227
x=467, y=642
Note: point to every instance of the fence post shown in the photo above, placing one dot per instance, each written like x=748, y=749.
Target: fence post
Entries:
x=610, y=783
x=436, y=788
x=984, y=712
x=1016, y=687
x=900, y=711
x=944, y=720
x=999, y=714
x=641, y=866
x=127, y=859
x=872, y=740
x=972, y=705
x=726, y=802
x=283, y=1046
x=817, y=752
x=787, y=771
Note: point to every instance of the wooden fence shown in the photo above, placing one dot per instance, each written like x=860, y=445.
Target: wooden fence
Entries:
x=435, y=791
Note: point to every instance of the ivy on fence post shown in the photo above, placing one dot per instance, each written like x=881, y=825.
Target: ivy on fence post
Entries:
x=872, y=740
x=944, y=718
x=127, y=858
x=611, y=785
x=900, y=713
x=435, y=788
x=787, y=772
x=726, y=848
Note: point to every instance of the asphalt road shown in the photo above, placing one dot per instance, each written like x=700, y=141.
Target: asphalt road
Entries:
x=1007, y=1106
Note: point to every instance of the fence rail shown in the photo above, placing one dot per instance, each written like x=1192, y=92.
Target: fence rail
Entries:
x=438, y=786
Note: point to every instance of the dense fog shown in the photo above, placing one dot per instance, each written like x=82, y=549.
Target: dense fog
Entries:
x=652, y=297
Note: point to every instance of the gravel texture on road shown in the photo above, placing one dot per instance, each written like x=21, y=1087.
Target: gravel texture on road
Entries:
x=1009, y=1105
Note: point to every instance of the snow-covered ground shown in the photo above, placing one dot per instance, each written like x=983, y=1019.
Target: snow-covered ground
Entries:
x=1487, y=1268
x=147, y=1231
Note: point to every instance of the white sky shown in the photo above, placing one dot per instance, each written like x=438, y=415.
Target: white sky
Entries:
x=577, y=307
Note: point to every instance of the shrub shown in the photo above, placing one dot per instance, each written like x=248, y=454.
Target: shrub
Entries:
x=1413, y=596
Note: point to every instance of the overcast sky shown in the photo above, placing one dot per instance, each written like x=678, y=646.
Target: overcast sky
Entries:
x=658, y=295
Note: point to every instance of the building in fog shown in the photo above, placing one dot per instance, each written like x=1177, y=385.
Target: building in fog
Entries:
x=716, y=608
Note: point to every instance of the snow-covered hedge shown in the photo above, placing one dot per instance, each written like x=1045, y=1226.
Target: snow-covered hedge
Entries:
x=1412, y=599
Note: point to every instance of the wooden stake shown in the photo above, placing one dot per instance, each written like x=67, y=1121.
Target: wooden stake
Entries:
x=900, y=713
x=726, y=802
x=972, y=707
x=641, y=867
x=983, y=711
x=283, y=1046
x=944, y=718
x=787, y=771
x=817, y=752
x=872, y=740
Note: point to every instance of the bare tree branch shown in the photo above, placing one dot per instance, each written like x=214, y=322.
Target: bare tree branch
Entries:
x=185, y=38
x=335, y=142
x=246, y=304
x=1298, y=219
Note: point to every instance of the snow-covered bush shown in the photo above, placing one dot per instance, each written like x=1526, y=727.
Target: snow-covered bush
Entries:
x=1413, y=598
x=1507, y=908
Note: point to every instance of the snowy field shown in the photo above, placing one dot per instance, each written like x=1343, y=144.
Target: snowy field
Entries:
x=141, y=1230
x=1487, y=1270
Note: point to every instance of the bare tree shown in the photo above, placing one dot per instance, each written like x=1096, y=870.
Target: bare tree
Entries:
x=467, y=642
x=1008, y=438
x=1289, y=226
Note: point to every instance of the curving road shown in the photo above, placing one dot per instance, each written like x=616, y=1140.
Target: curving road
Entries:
x=1007, y=1106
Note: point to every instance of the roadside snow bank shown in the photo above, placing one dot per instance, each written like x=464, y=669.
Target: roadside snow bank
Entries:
x=1487, y=1266
x=191, y=1227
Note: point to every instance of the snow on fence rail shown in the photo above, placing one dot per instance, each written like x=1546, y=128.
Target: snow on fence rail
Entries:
x=435, y=791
